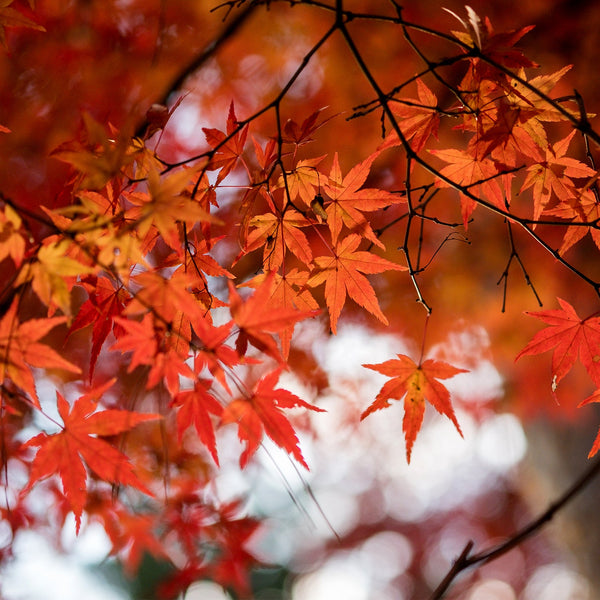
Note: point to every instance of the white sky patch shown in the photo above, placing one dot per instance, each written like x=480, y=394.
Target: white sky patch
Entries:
x=339, y=577
x=206, y=590
x=557, y=581
x=44, y=574
x=501, y=442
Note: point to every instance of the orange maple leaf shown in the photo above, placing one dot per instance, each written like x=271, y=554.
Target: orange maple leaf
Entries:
x=300, y=134
x=553, y=176
x=580, y=208
x=166, y=206
x=12, y=243
x=64, y=453
x=278, y=232
x=478, y=175
x=571, y=337
x=261, y=412
x=498, y=46
x=258, y=317
x=342, y=273
x=101, y=157
x=304, y=180
x=418, y=119
x=418, y=383
x=347, y=201
x=21, y=349
x=53, y=273
x=289, y=293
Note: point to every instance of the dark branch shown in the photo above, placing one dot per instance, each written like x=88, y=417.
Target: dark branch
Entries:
x=466, y=560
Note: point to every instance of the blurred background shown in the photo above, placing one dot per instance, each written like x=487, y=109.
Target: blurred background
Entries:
x=362, y=524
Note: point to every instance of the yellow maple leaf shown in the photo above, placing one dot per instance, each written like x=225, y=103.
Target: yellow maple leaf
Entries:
x=12, y=243
x=52, y=275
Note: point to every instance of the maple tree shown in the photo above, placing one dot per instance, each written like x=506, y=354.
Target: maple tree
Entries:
x=159, y=282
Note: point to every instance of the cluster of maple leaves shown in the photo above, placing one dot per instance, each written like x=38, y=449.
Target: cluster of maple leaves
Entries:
x=127, y=268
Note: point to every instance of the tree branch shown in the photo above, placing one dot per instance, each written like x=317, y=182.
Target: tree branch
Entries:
x=465, y=560
x=198, y=61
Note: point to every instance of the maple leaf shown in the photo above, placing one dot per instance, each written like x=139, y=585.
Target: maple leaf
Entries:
x=580, y=208
x=12, y=243
x=53, y=274
x=194, y=408
x=229, y=147
x=166, y=206
x=165, y=354
x=507, y=134
x=342, y=273
x=303, y=180
x=289, y=292
x=571, y=337
x=100, y=157
x=267, y=157
x=132, y=536
x=497, y=46
x=9, y=17
x=64, y=453
x=169, y=297
x=104, y=303
x=210, y=349
x=257, y=318
x=415, y=383
x=235, y=562
x=478, y=175
x=261, y=412
x=20, y=347
x=300, y=134
x=347, y=202
x=553, y=176
x=276, y=232
x=530, y=102
x=201, y=261
x=418, y=119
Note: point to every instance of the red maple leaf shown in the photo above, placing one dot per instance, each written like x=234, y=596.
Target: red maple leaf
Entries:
x=229, y=147
x=415, y=383
x=342, y=273
x=99, y=310
x=300, y=134
x=571, y=337
x=211, y=351
x=595, y=397
x=194, y=408
x=261, y=412
x=153, y=345
x=64, y=453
